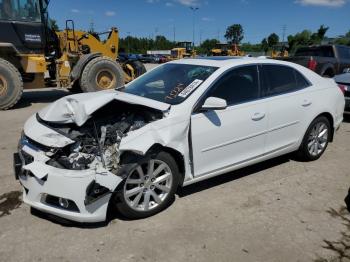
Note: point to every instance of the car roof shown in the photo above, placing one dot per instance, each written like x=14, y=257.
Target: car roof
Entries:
x=229, y=61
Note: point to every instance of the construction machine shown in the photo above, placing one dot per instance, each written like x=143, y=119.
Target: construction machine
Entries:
x=223, y=49
x=279, y=51
x=32, y=55
x=183, y=50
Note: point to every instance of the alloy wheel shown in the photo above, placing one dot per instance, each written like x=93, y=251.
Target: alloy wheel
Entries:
x=318, y=139
x=148, y=185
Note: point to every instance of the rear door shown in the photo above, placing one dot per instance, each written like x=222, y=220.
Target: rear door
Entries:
x=289, y=105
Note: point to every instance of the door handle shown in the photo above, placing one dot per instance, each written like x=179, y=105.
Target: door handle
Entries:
x=258, y=116
x=306, y=103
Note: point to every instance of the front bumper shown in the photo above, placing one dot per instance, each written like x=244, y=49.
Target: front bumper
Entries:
x=42, y=182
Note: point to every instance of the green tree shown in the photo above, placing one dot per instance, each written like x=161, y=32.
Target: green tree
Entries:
x=272, y=40
x=234, y=34
x=265, y=45
x=207, y=46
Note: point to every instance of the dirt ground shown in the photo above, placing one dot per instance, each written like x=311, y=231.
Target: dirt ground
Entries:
x=280, y=210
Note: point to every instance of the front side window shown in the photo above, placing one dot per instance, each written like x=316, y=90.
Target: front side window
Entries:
x=237, y=86
x=20, y=10
x=170, y=83
x=279, y=79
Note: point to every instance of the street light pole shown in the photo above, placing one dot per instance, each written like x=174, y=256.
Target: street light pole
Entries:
x=194, y=9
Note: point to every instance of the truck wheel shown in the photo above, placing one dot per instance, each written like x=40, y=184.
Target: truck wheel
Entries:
x=138, y=67
x=101, y=73
x=11, y=85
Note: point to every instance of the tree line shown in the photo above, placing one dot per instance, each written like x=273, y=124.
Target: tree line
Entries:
x=234, y=35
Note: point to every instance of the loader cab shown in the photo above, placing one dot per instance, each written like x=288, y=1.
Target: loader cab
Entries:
x=22, y=24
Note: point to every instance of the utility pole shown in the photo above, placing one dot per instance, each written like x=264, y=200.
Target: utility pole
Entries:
x=174, y=33
x=194, y=9
x=128, y=42
x=156, y=33
x=284, y=28
x=200, y=37
x=218, y=35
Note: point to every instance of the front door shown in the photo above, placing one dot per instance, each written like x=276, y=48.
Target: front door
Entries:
x=223, y=138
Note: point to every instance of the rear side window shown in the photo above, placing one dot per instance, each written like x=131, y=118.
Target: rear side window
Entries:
x=279, y=79
x=344, y=52
x=323, y=51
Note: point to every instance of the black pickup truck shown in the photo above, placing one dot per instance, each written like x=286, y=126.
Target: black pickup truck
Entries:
x=326, y=60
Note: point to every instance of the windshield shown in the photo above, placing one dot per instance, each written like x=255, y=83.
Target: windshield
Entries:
x=20, y=10
x=170, y=83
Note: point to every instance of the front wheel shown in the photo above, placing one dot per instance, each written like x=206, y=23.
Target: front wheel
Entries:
x=315, y=140
x=149, y=187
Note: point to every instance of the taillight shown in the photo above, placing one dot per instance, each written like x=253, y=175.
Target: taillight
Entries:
x=312, y=64
x=343, y=88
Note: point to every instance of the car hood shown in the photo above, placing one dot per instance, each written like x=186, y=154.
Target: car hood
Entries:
x=78, y=108
x=343, y=78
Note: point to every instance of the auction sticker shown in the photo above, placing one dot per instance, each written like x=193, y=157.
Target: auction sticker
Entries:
x=190, y=88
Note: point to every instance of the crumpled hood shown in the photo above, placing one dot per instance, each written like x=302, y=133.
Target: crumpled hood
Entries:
x=78, y=108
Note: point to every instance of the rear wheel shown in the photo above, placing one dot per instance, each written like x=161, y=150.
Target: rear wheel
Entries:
x=315, y=140
x=101, y=73
x=149, y=186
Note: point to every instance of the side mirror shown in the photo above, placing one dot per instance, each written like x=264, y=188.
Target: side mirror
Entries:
x=214, y=103
x=346, y=70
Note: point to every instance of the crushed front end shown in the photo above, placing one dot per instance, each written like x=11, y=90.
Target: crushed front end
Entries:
x=71, y=171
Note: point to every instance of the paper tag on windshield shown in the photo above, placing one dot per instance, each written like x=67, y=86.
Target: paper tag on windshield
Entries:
x=190, y=88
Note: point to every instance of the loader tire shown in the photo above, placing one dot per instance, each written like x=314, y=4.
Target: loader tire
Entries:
x=101, y=73
x=138, y=67
x=11, y=85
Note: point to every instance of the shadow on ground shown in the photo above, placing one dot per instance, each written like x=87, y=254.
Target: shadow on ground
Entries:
x=113, y=214
x=30, y=97
x=341, y=246
x=231, y=176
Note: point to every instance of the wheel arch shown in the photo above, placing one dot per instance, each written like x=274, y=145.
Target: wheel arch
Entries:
x=328, y=70
x=331, y=122
x=82, y=62
x=131, y=157
x=178, y=157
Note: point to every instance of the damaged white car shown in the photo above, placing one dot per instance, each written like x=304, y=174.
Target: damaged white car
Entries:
x=183, y=122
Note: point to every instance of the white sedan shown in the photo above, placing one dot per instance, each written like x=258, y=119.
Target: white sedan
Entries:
x=178, y=124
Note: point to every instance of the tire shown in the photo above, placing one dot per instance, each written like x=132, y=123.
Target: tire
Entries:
x=101, y=73
x=314, y=143
x=146, y=189
x=138, y=67
x=76, y=88
x=11, y=85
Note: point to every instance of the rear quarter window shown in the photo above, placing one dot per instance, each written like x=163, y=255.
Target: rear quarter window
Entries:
x=280, y=79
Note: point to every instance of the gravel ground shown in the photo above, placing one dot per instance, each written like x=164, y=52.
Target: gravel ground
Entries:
x=279, y=210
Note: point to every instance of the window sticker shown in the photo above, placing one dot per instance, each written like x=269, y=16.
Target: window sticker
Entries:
x=190, y=88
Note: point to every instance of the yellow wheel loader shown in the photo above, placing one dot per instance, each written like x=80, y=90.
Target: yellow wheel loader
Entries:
x=32, y=55
x=183, y=50
x=222, y=49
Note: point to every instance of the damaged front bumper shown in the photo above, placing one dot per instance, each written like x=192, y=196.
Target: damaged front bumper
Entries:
x=77, y=195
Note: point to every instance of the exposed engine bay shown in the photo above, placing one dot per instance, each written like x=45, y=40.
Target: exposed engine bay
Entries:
x=97, y=141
